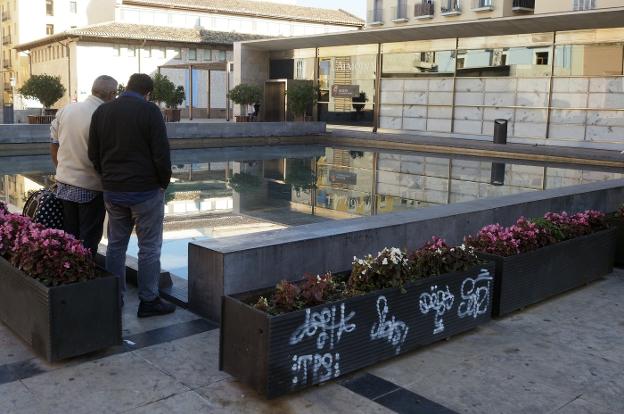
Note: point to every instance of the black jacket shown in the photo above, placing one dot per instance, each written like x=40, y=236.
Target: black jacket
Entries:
x=128, y=145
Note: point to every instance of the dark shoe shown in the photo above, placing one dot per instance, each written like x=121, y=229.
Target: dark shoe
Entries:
x=155, y=308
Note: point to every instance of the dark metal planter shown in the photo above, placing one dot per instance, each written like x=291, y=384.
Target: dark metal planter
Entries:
x=63, y=321
x=532, y=277
x=279, y=354
x=618, y=224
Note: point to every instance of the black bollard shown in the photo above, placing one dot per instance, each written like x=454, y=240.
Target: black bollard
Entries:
x=500, y=131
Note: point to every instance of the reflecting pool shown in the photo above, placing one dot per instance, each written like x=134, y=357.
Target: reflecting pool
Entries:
x=216, y=193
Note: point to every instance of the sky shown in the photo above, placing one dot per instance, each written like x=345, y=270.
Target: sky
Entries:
x=357, y=7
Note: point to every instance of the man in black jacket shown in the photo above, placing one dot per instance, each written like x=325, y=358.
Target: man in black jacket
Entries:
x=129, y=148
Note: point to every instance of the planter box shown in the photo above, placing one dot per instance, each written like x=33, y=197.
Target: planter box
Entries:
x=40, y=119
x=618, y=224
x=532, y=277
x=279, y=354
x=172, y=115
x=63, y=321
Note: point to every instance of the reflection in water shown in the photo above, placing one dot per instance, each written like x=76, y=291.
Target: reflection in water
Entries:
x=272, y=189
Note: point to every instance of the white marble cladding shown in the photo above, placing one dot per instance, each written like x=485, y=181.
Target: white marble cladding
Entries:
x=427, y=105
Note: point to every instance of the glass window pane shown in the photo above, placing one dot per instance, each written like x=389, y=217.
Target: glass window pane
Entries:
x=418, y=63
x=589, y=60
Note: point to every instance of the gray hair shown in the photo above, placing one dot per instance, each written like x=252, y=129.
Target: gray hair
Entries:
x=104, y=85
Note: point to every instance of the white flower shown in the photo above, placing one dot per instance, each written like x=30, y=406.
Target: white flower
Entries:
x=385, y=261
x=463, y=247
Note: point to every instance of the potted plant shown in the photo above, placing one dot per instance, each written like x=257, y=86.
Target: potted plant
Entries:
x=47, y=89
x=359, y=102
x=616, y=220
x=173, y=100
x=299, y=334
x=245, y=95
x=301, y=97
x=245, y=182
x=299, y=174
x=540, y=258
x=51, y=294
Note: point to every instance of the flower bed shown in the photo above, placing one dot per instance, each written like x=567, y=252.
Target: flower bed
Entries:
x=51, y=294
x=540, y=258
x=300, y=334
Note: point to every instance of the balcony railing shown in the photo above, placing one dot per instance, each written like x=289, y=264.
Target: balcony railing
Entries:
x=523, y=5
x=6, y=16
x=6, y=39
x=482, y=5
x=424, y=10
x=6, y=64
x=375, y=16
x=7, y=86
x=451, y=8
x=399, y=13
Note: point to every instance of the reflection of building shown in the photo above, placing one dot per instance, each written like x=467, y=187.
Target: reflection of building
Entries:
x=556, y=77
x=16, y=189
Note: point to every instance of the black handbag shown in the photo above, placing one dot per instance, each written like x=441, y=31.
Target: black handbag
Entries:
x=45, y=208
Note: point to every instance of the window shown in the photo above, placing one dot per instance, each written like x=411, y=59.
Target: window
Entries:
x=541, y=58
x=158, y=52
x=589, y=60
x=174, y=53
x=73, y=7
x=583, y=4
x=192, y=54
x=49, y=29
x=116, y=50
x=207, y=55
x=220, y=55
x=50, y=7
x=146, y=52
x=131, y=51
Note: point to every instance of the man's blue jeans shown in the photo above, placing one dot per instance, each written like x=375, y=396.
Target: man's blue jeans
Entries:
x=147, y=217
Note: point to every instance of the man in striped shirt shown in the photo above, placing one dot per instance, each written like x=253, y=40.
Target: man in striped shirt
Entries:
x=78, y=184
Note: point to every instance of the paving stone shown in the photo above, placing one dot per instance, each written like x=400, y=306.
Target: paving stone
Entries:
x=15, y=397
x=582, y=406
x=188, y=402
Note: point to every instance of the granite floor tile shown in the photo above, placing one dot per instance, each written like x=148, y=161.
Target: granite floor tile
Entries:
x=15, y=397
x=193, y=361
x=114, y=384
x=582, y=406
x=187, y=402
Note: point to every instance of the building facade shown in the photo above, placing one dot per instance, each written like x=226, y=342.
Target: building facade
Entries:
x=397, y=13
x=557, y=78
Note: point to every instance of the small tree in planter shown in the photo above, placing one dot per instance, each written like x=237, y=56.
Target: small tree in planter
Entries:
x=173, y=100
x=245, y=95
x=47, y=89
x=301, y=96
x=359, y=102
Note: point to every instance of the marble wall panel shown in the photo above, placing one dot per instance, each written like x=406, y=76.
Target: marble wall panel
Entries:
x=605, y=118
x=501, y=85
x=389, y=177
x=558, y=116
x=391, y=110
x=469, y=98
x=607, y=85
x=416, y=85
x=415, y=124
x=440, y=112
x=441, y=85
x=499, y=99
x=529, y=130
x=605, y=134
x=531, y=115
x=468, y=127
x=567, y=132
x=389, y=122
x=532, y=99
x=395, y=98
x=469, y=85
x=440, y=98
x=390, y=165
x=606, y=100
x=570, y=85
x=439, y=125
x=388, y=85
x=569, y=100
x=415, y=98
x=469, y=114
x=490, y=114
x=412, y=167
x=414, y=111
x=535, y=85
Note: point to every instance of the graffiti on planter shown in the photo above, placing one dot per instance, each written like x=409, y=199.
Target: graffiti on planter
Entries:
x=475, y=295
x=392, y=330
x=437, y=300
x=327, y=326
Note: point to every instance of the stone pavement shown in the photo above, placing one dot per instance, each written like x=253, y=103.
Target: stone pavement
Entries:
x=564, y=356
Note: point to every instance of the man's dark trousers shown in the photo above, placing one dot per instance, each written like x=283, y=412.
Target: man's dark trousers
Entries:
x=85, y=221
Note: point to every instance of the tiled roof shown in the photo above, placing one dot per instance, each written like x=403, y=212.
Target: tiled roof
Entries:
x=129, y=31
x=258, y=9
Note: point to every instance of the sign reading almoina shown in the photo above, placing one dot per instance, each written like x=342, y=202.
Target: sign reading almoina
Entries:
x=345, y=91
